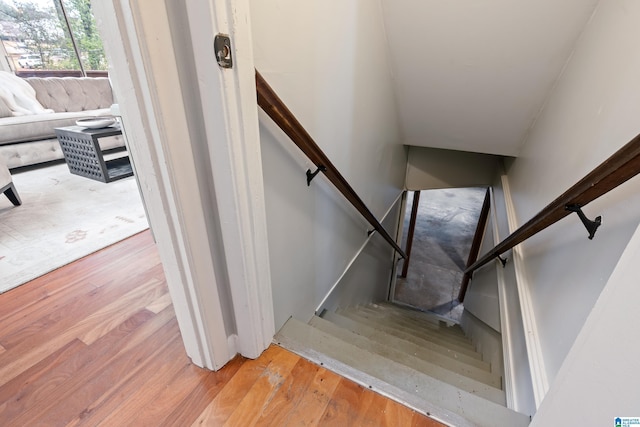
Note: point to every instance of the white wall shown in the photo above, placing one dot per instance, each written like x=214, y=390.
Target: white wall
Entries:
x=592, y=112
x=472, y=75
x=367, y=279
x=486, y=340
x=327, y=61
x=433, y=168
x=599, y=379
x=481, y=298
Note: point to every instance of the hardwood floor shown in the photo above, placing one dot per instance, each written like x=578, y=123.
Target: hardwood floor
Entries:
x=96, y=343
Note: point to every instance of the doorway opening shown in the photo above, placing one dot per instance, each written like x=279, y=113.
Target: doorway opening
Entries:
x=46, y=46
x=445, y=225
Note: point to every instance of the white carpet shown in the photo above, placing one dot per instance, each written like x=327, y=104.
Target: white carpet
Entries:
x=63, y=217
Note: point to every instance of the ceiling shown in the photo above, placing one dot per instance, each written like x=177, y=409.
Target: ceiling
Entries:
x=472, y=75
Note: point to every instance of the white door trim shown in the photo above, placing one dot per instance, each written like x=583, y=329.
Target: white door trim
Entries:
x=236, y=164
x=188, y=199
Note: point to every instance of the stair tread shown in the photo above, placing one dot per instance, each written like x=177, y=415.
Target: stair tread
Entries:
x=428, y=350
x=467, y=378
x=381, y=320
x=419, y=314
x=445, y=324
x=398, y=319
x=422, y=392
x=409, y=333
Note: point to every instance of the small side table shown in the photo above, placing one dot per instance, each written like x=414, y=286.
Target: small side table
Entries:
x=84, y=156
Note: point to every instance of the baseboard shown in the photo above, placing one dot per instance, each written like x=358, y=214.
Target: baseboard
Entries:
x=505, y=327
x=539, y=378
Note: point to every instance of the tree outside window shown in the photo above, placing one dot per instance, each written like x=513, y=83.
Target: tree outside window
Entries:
x=40, y=34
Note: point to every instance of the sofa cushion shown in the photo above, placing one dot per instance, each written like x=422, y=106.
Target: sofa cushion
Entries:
x=41, y=126
x=4, y=110
x=5, y=175
x=64, y=94
x=16, y=155
x=45, y=150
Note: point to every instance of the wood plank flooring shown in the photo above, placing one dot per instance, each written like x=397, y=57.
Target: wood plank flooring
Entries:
x=96, y=343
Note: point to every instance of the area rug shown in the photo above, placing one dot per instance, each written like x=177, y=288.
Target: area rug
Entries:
x=63, y=217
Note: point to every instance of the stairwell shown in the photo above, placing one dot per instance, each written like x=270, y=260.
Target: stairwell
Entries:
x=419, y=359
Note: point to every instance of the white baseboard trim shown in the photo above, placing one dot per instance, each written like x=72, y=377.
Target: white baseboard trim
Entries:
x=505, y=325
x=539, y=378
x=357, y=254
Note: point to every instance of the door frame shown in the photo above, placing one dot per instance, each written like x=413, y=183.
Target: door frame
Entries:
x=207, y=214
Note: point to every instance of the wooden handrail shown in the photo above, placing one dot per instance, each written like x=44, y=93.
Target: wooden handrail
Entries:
x=412, y=228
x=623, y=165
x=476, y=243
x=269, y=101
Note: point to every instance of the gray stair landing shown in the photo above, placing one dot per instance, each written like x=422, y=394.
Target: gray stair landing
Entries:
x=431, y=368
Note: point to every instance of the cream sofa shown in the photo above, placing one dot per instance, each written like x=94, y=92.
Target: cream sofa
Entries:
x=28, y=140
x=6, y=185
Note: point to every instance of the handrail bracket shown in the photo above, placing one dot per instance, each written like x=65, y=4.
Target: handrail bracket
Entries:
x=590, y=225
x=311, y=175
x=503, y=261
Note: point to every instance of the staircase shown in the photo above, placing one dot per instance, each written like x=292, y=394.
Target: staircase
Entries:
x=420, y=359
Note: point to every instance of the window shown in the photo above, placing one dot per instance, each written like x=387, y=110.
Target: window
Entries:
x=51, y=37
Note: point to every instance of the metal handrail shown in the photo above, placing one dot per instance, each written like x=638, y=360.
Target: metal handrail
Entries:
x=275, y=108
